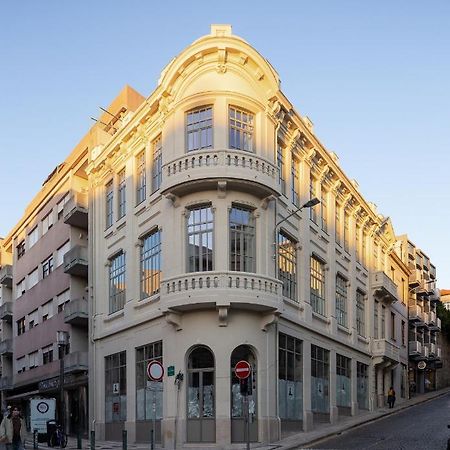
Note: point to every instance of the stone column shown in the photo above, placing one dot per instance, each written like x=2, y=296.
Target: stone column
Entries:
x=307, y=412
x=334, y=413
x=354, y=387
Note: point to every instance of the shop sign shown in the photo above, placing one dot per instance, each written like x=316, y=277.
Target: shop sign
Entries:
x=421, y=365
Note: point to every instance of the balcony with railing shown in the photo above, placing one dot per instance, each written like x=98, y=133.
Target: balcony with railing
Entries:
x=421, y=289
x=76, y=362
x=76, y=261
x=431, y=350
x=415, y=314
x=432, y=271
x=415, y=348
x=6, y=347
x=76, y=312
x=203, y=169
x=6, y=275
x=431, y=318
x=6, y=383
x=383, y=287
x=6, y=312
x=438, y=352
x=425, y=351
x=425, y=318
x=436, y=326
x=385, y=351
x=214, y=289
x=435, y=296
x=414, y=278
x=76, y=210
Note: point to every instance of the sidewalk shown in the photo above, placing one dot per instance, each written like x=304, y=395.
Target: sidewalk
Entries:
x=295, y=441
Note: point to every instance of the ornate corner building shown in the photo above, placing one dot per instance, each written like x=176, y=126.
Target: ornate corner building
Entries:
x=202, y=252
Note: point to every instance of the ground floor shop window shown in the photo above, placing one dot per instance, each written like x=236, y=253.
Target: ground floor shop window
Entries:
x=116, y=387
x=201, y=408
x=290, y=378
x=362, y=376
x=320, y=380
x=146, y=390
x=343, y=381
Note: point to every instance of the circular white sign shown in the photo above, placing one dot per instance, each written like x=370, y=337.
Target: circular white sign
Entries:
x=421, y=365
x=42, y=407
x=155, y=370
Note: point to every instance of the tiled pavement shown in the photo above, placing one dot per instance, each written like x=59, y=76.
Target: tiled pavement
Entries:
x=294, y=441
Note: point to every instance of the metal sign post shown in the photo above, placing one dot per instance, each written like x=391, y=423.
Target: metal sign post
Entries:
x=243, y=370
x=155, y=372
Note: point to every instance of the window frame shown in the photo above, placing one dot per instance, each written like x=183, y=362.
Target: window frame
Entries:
x=199, y=130
x=156, y=169
x=341, y=300
x=121, y=194
x=289, y=257
x=150, y=255
x=241, y=259
x=141, y=177
x=318, y=278
x=200, y=229
x=117, y=274
x=241, y=130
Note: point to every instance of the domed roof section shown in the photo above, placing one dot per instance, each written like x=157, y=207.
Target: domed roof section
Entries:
x=221, y=50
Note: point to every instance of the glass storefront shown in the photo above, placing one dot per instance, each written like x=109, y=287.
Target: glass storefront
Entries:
x=343, y=381
x=362, y=377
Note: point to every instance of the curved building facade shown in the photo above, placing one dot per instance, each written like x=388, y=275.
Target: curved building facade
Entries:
x=199, y=260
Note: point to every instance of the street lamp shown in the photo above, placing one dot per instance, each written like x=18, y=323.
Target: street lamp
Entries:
x=309, y=204
x=62, y=338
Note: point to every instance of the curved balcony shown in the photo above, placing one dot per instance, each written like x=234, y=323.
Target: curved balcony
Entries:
x=203, y=169
x=202, y=290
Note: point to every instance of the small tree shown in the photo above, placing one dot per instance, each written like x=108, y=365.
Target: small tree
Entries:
x=444, y=315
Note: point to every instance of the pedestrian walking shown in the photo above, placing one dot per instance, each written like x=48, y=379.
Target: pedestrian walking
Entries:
x=12, y=430
x=391, y=397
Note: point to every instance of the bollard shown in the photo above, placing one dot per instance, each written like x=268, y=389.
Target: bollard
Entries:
x=92, y=440
x=124, y=439
x=152, y=439
x=79, y=446
x=35, y=439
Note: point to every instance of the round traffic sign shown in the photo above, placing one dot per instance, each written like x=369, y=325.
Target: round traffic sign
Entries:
x=155, y=370
x=242, y=369
x=421, y=365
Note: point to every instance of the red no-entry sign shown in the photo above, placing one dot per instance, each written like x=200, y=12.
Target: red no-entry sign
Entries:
x=242, y=369
x=155, y=370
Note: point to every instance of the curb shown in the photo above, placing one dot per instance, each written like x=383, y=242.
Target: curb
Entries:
x=364, y=422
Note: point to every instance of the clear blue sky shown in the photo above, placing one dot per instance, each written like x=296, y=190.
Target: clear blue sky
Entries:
x=374, y=77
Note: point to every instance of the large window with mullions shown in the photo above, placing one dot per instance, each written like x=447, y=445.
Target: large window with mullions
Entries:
x=241, y=129
x=317, y=277
x=242, y=239
x=287, y=265
x=150, y=264
x=199, y=128
x=200, y=229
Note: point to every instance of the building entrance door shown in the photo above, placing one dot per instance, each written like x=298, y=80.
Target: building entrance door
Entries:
x=238, y=433
x=201, y=411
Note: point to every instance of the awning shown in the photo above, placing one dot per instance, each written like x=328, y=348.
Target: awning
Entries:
x=23, y=395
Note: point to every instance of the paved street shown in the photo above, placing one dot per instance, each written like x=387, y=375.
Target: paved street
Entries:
x=422, y=427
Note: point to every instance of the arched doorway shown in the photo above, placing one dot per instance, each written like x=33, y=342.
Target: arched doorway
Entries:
x=201, y=408
x=238, y=433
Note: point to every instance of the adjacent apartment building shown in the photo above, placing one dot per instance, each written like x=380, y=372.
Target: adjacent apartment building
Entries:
x=200, y=257
x=43, y=291
x=424, y=326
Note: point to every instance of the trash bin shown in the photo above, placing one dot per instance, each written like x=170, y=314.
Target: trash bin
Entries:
x=51, y=428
